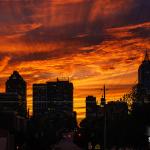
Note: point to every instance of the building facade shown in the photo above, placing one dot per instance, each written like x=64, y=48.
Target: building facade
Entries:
x=60, y=96
x=17, y=85
x=54, y=97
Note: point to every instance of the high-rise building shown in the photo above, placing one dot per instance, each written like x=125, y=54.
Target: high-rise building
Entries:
x=91, y=107
x=60, y=96
x=144, y=79
x=39, y=99
x=144, y=73
x=16, y=85
x=56, y=96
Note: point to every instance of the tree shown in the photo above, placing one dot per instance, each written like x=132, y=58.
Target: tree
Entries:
x=136, y=96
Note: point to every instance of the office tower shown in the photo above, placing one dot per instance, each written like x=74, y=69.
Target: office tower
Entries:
x=144, y=80
x=53, y=97
x=16, y=85
x=91, y=106
x=39, y=99
x=60, y=96
x=144, y=73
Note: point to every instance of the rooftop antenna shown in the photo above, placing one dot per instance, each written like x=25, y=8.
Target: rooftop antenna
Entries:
x=146, y=58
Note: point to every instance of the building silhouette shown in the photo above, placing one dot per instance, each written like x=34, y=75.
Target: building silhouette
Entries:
x=54, y=97
x=60, y=96
x=116, y=110
x=91, y=106
x=144, y=73
x=39, y=99
x=16, y=85
x=144, y=79
x=8, y=102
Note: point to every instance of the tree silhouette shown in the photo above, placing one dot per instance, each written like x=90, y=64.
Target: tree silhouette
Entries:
x=137, y=95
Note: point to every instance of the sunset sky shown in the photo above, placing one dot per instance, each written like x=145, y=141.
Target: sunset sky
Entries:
x=94, y=42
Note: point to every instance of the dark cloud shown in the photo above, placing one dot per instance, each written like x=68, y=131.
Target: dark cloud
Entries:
x=132, y=58
x=107, y=67
x=87, y=51
x=47, y=34
x=67, y=20
x=138, y=14
x=29, y=10
x=142, y=32
x=67, y=33
x=32, y=56
x=18, y=58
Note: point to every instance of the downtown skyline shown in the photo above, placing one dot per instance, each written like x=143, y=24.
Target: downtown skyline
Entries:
x=92, y=42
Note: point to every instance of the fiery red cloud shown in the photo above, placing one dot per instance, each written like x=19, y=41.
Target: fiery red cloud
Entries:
x=94, y=42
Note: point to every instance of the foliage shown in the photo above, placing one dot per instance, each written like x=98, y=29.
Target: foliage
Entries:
x=136, y=95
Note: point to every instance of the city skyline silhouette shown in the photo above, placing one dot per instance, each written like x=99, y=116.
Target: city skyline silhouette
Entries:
x=65, y=79
x=74, y=74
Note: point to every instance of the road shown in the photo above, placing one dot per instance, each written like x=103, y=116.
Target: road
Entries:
x=66, y=143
